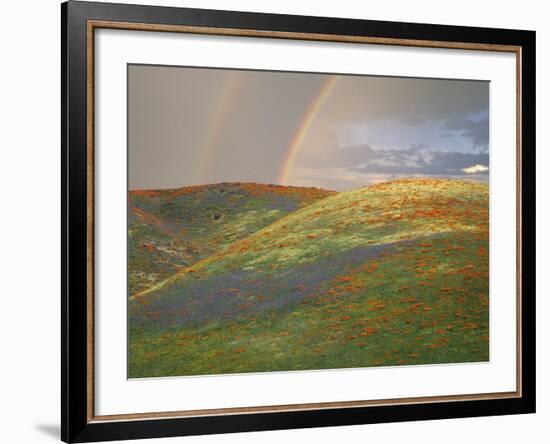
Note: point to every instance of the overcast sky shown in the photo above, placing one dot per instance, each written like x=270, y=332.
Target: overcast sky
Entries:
x=190, y=126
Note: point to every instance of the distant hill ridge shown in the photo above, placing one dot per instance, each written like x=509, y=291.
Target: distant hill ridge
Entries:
x=251, y=187
x=173, y=228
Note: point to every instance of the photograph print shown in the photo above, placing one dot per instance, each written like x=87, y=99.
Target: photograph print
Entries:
x=283, y=221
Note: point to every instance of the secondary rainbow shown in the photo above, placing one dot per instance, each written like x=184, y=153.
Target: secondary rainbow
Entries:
x=304, y=126
x=229, y=91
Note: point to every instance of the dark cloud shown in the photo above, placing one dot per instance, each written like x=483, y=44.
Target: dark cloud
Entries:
x=476, y=130
x=418, y=160
x=411, y=101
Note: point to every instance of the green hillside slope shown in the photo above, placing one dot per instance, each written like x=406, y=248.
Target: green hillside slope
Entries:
x=171, y=229
x=395, y=273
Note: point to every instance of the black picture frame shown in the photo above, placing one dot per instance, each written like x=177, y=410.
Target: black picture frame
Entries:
x=76, y=327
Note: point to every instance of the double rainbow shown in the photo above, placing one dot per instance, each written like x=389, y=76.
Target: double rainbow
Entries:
x=230, y=89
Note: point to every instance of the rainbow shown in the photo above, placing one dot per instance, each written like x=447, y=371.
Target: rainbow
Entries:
x=230, y=89
x=304, y=126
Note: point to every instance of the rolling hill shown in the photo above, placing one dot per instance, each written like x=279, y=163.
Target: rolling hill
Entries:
x=173, y=228
x=395, y=273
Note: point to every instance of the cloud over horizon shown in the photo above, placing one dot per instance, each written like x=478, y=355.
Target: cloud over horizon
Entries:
x=357, y=166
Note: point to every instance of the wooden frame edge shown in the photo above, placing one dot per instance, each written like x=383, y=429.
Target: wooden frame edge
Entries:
x=237, y=32
x=519, y=222
x=303, y=407
x=90, y=211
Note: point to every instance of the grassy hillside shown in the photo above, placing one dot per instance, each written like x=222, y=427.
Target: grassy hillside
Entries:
x=395, y=273
x=171, y=229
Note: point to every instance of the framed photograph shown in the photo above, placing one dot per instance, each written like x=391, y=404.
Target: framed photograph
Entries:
x=275, y=221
